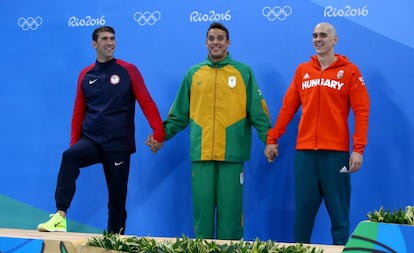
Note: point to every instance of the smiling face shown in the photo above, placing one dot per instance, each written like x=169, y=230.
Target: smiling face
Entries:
x=217, y=44
x=324, y=39
x=105, y=45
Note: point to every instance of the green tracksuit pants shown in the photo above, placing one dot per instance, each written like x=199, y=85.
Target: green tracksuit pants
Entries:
x=217, y=189
x=319, y=176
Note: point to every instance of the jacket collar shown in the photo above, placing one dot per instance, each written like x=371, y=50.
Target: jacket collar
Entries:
x=221, y=63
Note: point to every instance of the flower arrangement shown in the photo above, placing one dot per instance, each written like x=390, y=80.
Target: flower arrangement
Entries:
x=399, y=216
x=186, y=245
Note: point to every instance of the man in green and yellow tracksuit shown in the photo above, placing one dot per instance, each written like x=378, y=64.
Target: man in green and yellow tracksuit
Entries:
x=221, y=101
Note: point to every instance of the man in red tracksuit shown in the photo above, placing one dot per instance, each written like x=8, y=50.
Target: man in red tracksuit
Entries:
x=103, y=130
x=326, y=88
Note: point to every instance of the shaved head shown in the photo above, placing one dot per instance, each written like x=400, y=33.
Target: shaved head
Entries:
x=327, y=26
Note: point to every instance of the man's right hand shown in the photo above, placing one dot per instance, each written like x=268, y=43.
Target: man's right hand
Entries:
x=271, y=152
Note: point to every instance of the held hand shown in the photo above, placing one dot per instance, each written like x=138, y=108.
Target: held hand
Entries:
x=153, y=144
x=355, y=162
x=271, y=152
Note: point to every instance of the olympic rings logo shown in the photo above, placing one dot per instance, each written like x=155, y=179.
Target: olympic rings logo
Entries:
x=147, y=17
x=277, y=12
x=30, y=23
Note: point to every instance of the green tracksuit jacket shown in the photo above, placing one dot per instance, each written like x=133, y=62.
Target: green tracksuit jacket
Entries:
x=220, y=101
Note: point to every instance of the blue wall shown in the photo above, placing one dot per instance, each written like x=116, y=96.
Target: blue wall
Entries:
x=46, y=43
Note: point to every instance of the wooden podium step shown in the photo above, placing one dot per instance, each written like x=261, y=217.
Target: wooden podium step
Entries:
x=33, y=241
x=20, y=240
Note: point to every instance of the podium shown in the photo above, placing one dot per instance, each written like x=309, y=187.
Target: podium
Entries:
x=381, y=238
x=22, y=241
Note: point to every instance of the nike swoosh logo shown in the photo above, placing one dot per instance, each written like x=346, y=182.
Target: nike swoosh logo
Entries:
x=93, y=81
x=118, y=163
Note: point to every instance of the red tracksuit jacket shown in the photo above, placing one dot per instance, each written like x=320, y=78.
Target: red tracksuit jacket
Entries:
x=326, y=97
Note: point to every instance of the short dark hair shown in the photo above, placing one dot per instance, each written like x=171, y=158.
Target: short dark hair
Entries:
x=100, y=29
x=220, y=26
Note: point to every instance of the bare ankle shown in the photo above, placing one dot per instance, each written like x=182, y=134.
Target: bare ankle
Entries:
x=62, y=213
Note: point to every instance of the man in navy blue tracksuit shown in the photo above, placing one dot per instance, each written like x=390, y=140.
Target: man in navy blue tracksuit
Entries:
x=103, y=130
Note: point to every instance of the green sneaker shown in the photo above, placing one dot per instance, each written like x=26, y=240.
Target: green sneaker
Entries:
x=56, y=223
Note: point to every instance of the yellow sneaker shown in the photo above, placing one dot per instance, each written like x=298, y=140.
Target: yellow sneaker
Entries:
x=56, y=223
